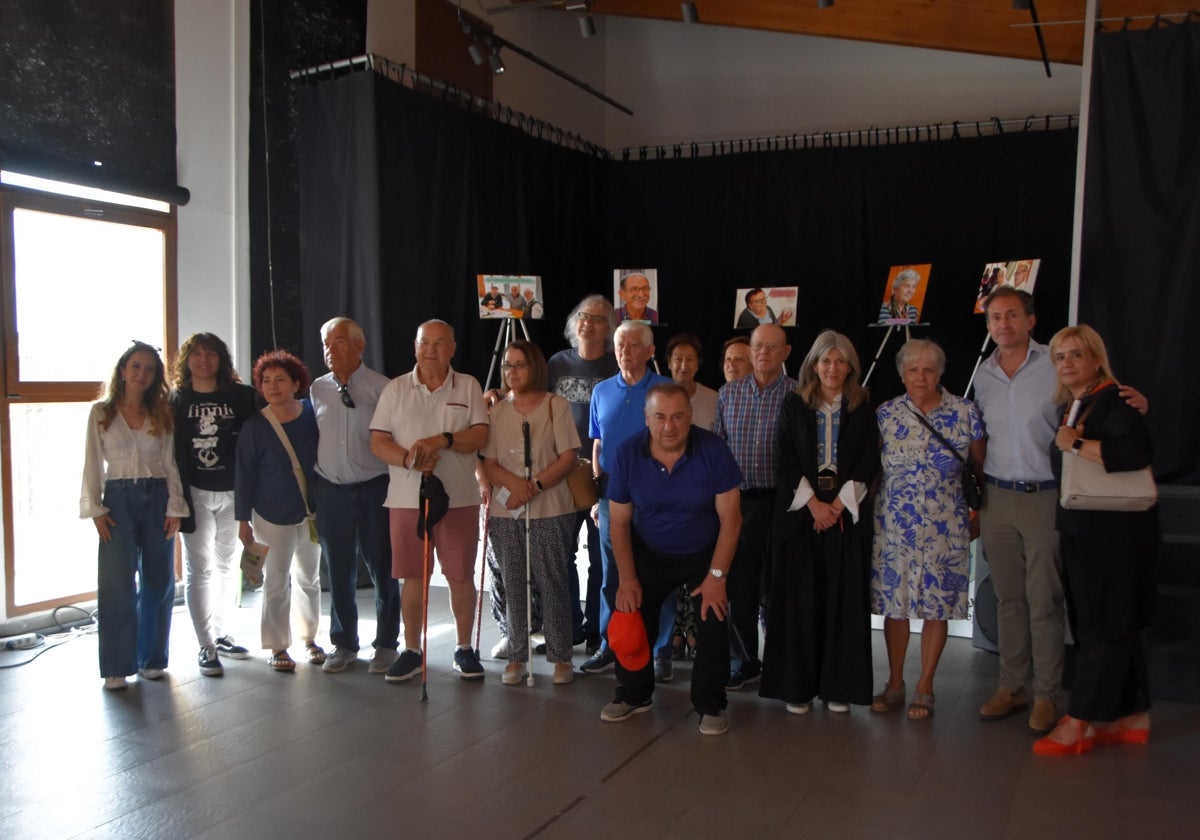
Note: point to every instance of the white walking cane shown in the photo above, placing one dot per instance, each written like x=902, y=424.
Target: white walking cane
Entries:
x=528, y=567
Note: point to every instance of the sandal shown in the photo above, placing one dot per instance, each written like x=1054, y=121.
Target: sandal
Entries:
x=921, y=708
x=316, y=653
x=888, y=699
x=280, y=661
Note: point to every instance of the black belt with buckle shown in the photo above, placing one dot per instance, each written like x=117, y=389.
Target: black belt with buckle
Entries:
x=826, y=482
x=1021, y=486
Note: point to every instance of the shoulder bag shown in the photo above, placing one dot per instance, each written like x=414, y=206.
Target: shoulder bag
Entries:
x=297, y=471
x=580, y=478
x=1086, y=485
x=971, y=485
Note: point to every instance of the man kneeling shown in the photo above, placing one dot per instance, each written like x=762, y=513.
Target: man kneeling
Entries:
x=675, y=515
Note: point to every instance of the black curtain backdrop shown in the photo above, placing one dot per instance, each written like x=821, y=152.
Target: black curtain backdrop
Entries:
x=461, y=194
x=1140, y=262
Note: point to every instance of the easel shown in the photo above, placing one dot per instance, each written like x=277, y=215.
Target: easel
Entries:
x=978, y=362
x=503, y=339
x=887, y=335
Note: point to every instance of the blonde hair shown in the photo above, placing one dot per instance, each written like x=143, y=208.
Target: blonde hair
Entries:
x=1090, y=339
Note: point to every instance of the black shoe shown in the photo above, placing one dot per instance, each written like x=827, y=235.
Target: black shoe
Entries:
x=406, y=666
x=602, y=660
x=593, y=644
x=748, y=674
x=227, y=647
x=466, y=662
x=210, y=663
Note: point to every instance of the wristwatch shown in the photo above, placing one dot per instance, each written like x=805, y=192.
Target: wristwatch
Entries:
x=449, y=440
x=538, y=485
x=1077, y=445
x=717, y=573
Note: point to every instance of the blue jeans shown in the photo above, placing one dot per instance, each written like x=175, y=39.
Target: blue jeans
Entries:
x=135, y=580
x=612, y=580
x=352, y=521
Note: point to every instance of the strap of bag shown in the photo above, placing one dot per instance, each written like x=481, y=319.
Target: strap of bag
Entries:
x=287, y=445
x=936, y=434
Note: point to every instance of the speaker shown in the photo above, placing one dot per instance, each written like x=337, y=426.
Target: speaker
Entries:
x=985, y=633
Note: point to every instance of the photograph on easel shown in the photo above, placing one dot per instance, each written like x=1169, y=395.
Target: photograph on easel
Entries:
x=509, y=296
x=1020, y=274
x=636, y=290
x=904, y=294
x=765, y=305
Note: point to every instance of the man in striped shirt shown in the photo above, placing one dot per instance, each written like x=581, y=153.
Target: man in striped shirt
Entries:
x=748, y=420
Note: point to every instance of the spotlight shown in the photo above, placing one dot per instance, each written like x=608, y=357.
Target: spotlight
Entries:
x=1021, y=5
x=476, y=54
x=824, y=4
x=587, y=27
x=496, y=63
x=690, y=15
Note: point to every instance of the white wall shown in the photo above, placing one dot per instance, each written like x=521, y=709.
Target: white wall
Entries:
x=212, y=124
x=706, y=82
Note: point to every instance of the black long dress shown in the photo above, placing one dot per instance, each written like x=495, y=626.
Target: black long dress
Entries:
x=1109, y=569
x=818, y=639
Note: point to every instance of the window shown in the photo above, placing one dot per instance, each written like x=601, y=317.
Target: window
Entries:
x=82, y=278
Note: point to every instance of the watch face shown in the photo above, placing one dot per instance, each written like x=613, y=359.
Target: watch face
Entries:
x=717, y=573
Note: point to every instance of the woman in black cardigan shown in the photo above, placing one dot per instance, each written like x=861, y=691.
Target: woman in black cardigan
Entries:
x=1108, y=557
x=818, y=640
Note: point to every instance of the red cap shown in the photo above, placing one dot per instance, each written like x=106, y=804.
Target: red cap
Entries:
x=627, y=638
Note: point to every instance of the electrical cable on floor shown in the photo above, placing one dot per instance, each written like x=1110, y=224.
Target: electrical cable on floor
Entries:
x=50, y=641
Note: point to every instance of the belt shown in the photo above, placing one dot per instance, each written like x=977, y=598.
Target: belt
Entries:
x=1022, y=486
x=826, y=482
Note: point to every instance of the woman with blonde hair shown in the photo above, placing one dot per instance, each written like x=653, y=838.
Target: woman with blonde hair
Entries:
x=1108, y=557
x=132, y=492
x=818, y=640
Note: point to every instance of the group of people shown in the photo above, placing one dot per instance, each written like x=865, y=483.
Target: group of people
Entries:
x=796, y=503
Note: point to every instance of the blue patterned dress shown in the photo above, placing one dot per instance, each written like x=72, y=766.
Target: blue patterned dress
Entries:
x=920, y=557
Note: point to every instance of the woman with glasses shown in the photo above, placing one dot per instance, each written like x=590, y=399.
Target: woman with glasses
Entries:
x=210, y=404
x=133, y=494
x=531, y=417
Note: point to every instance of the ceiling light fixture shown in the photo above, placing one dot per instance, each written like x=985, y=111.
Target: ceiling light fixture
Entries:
x=496, y=62
x=587, y=27
x=476, y=54
x=690, y=15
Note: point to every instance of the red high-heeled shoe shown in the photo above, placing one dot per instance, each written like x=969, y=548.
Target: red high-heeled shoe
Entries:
x=1084, y=743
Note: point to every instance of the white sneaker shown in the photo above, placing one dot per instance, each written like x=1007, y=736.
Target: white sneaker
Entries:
x=717, y=724
x=836, y=707
x=115, y=683
x=151, y=673
x=339, y=659
x=500, y=649
x=514, y=675
x=799, y=708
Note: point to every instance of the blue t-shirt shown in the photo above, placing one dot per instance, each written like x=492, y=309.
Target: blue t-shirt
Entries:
x=618, y=412
x=674, y=512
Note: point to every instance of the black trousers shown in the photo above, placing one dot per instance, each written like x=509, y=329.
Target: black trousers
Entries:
x=660, y=575
x=749, y=574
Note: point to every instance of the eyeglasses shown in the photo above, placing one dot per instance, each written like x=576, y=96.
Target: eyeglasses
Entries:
x=765, y=348
x=507, y=366
x=344, y=393
x=593, y=319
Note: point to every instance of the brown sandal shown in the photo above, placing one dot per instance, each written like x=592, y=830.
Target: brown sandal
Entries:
x=921, y=708
x=889, y=699
x=281, y=661
x=315, y=653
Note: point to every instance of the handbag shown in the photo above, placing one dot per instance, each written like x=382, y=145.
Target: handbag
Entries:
x=580, y=478
x=971, y=485
x=1086, y=485
x=309, y=516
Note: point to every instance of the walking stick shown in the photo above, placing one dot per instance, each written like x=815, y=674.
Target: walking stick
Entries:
x=528, y=568
x=425, y=611
x=482, y=572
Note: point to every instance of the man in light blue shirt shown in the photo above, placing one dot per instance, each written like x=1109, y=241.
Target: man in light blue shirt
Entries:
x=349, y=492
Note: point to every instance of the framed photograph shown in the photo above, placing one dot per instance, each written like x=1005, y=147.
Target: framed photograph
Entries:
x=636, y=292
x=1020, y=274
x=904, y=294
x=765, y=305
x=509, y=296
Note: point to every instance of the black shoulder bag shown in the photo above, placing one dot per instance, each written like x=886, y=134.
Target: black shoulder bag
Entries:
x=971, y=485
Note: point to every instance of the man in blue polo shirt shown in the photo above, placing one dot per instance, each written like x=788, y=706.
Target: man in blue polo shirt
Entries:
x=616, y=413
x=674, y=518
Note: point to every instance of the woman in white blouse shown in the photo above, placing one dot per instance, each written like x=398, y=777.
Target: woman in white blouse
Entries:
x=132, y=492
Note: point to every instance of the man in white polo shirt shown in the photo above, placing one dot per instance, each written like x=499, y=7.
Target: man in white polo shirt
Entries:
x=432, y=421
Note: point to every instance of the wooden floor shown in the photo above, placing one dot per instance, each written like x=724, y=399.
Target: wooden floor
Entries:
x=256, y=754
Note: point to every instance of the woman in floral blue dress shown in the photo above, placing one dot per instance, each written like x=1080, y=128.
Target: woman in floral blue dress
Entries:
x=921, y=559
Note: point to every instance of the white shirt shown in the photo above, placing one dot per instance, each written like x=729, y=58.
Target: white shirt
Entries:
x=704, y=407
x=344, y=450
x=409, y=411
x=121, y=452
